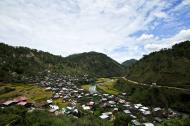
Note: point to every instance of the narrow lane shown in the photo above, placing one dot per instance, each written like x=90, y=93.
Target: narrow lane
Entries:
x=159, y=86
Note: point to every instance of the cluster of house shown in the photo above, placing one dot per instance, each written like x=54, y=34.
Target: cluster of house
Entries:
x=69, y=92
x=66, y=89
x=20, y=100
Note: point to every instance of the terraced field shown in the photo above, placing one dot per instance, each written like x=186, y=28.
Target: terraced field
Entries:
x=107, y=85
x=34, y=93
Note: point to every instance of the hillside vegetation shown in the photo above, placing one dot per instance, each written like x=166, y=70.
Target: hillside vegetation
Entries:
x=147, y=95
x=18, y=116
x=96, y=64
x=17, y=63
x=155, y=96
x=129, y=63
x=34, y=93
x=169, y=67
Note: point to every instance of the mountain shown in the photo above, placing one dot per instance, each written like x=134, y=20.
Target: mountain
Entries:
x=129, y=63
x=17, y=63
x=97, y=64
x=169, y=67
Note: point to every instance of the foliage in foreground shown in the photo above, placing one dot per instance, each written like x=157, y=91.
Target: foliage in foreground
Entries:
x=153, y=96
x=180, y=121
x=18, y=116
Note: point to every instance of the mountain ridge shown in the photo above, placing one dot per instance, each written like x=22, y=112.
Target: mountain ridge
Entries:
x=170, y=67
x=129, y=63
x=17, y=62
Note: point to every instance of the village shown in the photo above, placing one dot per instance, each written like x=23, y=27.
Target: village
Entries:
x=78, y=101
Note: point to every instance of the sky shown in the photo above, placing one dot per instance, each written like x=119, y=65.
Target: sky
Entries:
x=122, y=29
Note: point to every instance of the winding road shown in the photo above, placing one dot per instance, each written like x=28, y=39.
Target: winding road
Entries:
x=159, y=86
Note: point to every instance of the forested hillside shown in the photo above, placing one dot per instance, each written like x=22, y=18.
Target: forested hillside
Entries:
x=97, y=64
x=17, y=63
x=169, y=67
x=128, y=64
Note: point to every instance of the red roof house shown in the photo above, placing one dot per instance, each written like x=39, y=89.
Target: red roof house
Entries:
x=20, y=99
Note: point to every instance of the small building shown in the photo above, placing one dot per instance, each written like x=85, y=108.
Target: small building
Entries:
x=20, y=98
x=104, y=99
x=148, y=124
x=115, y=109
x=86, y=107
x=123, y=94
x=49, y=101
x=104, y=116
x=132, y=116
x=156, y=109
x=111, y=102
x=107, y=113
x=121, y=101
x=9, y=102
x=146, y=113
x=91, y=103
x=145, y=108
x=22, y=103
x=53, y=108
x=154, y=84
x=127, y=104
x=126, y=111
x=135, y=122
x=137, y=106
x=48, y=88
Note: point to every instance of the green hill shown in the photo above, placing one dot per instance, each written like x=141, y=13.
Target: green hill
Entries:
x=17, y=63
x=169, y=67
x=97, y=64
x=129, y=63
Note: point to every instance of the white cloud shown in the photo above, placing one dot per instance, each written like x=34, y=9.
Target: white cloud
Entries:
x=65, y=27
x=146, y=37
x=156, y=45
x=184, y=3
x=181, y=36
x=160, y=14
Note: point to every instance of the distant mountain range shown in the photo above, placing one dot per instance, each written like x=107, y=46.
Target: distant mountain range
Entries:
x=170, y=67
x=19, y=62
x=97, y=64
x=129, y=63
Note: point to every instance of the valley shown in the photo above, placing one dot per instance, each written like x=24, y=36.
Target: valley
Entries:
x=60, y=96
x=92, y=87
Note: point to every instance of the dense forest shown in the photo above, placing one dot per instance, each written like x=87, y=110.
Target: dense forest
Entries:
x=170, y=67
x=17, y=63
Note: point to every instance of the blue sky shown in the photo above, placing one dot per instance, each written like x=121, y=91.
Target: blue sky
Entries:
x=122, y=29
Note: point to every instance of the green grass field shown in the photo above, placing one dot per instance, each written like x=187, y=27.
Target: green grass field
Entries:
x=86, y=87
x=34, y=93
x=59, y=103
x=107, y=85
